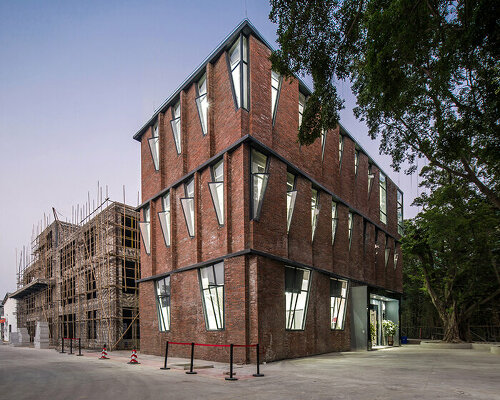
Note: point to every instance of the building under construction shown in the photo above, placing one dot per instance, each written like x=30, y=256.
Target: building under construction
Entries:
x=80, y=279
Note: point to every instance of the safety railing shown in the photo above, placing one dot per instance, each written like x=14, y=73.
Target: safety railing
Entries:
x=71, y=345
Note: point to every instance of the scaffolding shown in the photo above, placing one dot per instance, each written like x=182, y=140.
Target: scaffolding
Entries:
x=81, y=279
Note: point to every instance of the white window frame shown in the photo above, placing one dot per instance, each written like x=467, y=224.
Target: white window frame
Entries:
x=145, y=228
x=276, y=80
x=335, y=220
x=154, y=145
x=239, y=71
x=383, y=197
x=350, y=226
x=202, y=102
x=291, y=195
x=165, y=218
x=315, y=208
x=302, y=106
x=176, y=126
x=187, y=203
x=341, y=149
x=216, y=188
x=259, y=180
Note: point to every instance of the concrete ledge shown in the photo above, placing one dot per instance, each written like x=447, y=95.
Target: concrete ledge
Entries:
x=437, y=344
x=483, y=346
x=495, y=349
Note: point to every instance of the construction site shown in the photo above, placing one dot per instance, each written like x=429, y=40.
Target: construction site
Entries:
x=79, y=278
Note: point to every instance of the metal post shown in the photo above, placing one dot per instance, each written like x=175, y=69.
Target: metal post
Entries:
x=62, y=345
x=70, y=346
x=166, y=355
x=192, y=359
x=231, y=378
x=258, y=362
x=79, y=347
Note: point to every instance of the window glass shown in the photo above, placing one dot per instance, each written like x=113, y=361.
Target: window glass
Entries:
x=275, y=88
x=302, y=106
x=387, y=250
x=323, y=143
x=176, y=126
x=202, y=103
x=291, y=195
x=145, y=228
x=259, y=181
x=371, y=175
x=163, y=303
x=334, y=220
x=383, y=198
x=212, y=291
x=356, y=161
x=216, y=188
x=396, y=256
x=338, y=302
x=165, y=219
x=297, y=283
x=400, y=212
x=350, y=225
x=314, y=210
x=238, y=60
x=188, y=206
x=341, y=148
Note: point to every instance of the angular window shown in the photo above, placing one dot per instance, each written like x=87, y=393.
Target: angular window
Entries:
x=371, y=176
x=275, y=93
x=356, y=162
x=212, y=292
x=291, y=194
x=323, y=143
x=396, y=256
x=387, y=250
x=165, y=219
x=163, y=303
x=154, y=146
x=383, y=198
x=314, y=210
x=334, y=220
x=216, y=188
x=176, y=126
x=338, y=302
x=238, y=62
x=145, y=228
x=297, y=283
x=188, y=206
x=260, y=176
x=341, y=149
x=350, y=223
x=400, y=212
x=202, y=102
x=302, y=106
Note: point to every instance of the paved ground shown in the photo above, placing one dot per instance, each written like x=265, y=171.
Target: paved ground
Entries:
x=410, y=372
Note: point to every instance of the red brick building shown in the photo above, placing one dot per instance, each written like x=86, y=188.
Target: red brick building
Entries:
x=249, y=237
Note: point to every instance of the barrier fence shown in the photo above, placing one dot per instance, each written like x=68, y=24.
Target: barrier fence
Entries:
x=231, y=347
x=71, y=346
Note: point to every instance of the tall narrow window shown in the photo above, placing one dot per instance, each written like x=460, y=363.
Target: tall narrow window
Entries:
x=371, y=176
x=396, y=255
x=350, y=223
x=163, y=303
x=275, y=93
x=216, y=188
x=387, y=250
x=145, y=228
x=202, y=102
x=341, y=148
x=323, y=143
x=302, y=106
x=188, y=206
x=212, y=292
x=154, y=146
x=238, y=61
x=165, y=219
x=334, y=220
x=260, y=176
x=176, y=126
x=400, y=212
x=383, y=198
x=356, y=162
x=291, y=194
x=297, y=283
x=338, y=303
x=314, y=211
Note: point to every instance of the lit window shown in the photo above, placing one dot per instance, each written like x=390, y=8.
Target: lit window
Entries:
x=371, y=175
x=216, y=188
x=154, y=146
x=341, y=149
x=163, y=303
x=145, y=228
x=202, y=102
x=302, y=106
x=356, y=162
x=400, y=212
x=260, y=176
x=188, y=206
x=323, y=143
x=297, y=282
x=291, y=194
x=338, y=303
x=165, y=219
x=212, y=292
x=275, y=92
x=238, y=60
x=350, y=225
x=383, y=198
x=334, y=220
x=314, y=210
x=176, y=126
x=387, y=250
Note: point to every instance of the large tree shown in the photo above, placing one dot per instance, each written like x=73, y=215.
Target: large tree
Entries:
x=452, y=247
x=426, y=74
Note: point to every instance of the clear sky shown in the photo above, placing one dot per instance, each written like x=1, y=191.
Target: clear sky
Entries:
x=78, y=79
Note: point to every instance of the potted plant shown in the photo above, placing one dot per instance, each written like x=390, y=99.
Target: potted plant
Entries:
x=390, y=329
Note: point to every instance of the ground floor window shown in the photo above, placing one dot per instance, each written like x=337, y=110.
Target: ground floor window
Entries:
x=92, y=324
x=338, y=303
x=212, y=292
x=163, y=303
x=297, y=283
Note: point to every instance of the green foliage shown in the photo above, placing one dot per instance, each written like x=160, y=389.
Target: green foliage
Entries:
x=389, y=327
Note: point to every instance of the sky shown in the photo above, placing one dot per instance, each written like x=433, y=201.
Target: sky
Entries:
x=78, y=79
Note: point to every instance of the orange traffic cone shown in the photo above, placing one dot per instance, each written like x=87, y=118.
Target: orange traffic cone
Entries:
x=133, y=358
x=104, y=354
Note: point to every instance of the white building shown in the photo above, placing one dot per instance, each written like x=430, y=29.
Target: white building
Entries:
x=10, y=316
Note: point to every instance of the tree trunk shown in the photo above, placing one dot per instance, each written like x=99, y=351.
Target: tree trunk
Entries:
x=451, y=327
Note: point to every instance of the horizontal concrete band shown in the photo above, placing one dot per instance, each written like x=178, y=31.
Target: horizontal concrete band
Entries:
x=261, y=146
x=265, y=255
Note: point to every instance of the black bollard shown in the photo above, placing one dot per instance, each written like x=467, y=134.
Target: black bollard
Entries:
x=70, y=346
x=62, y=345
x=79, y=347
x=258, y=362
x=231, y=378
x=192, y=360
x=166, y=355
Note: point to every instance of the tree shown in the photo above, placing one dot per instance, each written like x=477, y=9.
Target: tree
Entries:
x=453, y=247
x=426, y=74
